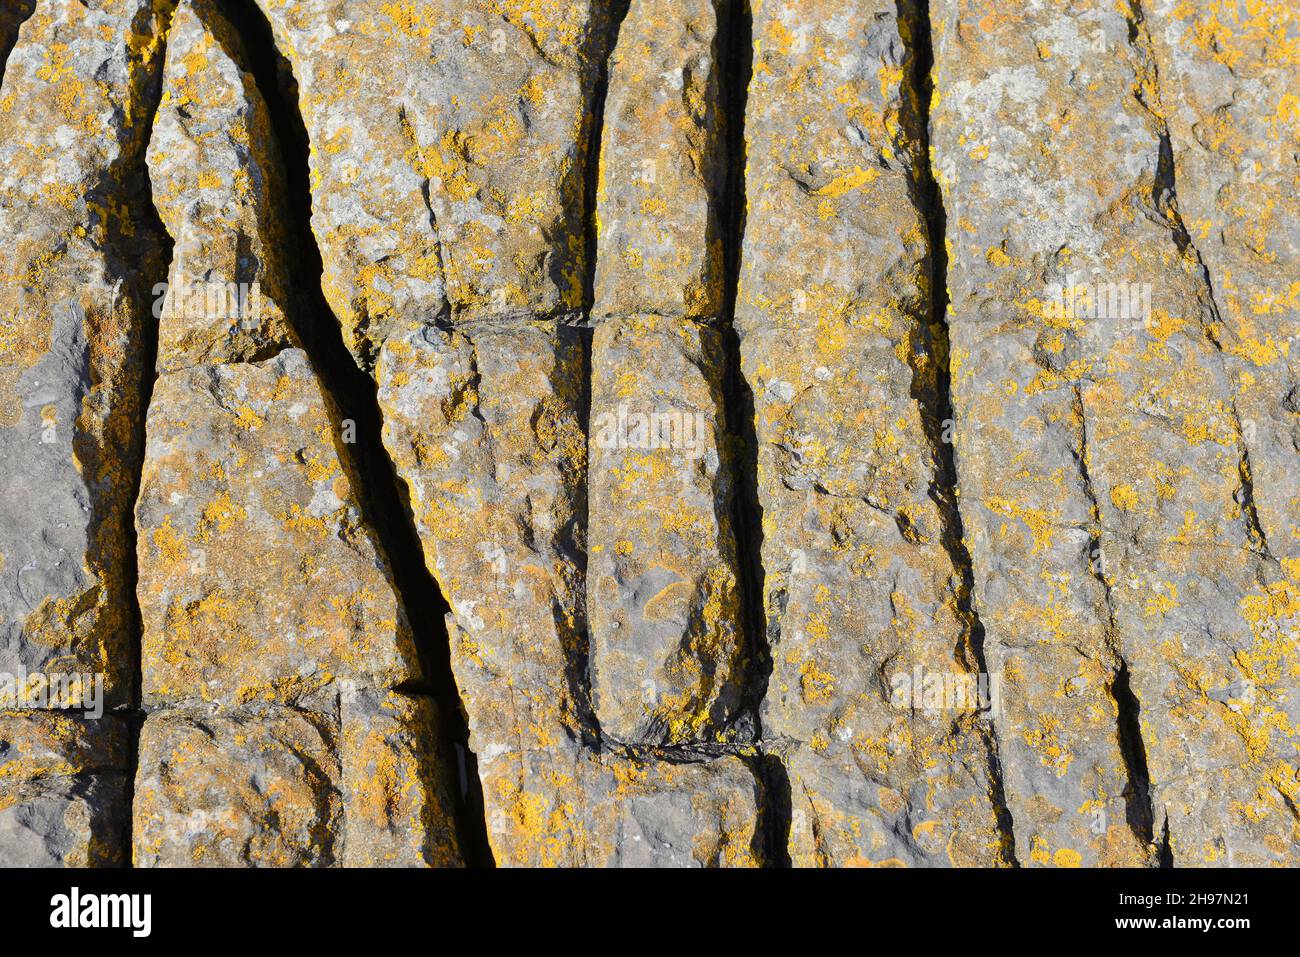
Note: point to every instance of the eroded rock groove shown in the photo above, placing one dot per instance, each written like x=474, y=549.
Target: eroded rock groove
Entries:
x=384, y=498
x=939, y=417
x=136, y=715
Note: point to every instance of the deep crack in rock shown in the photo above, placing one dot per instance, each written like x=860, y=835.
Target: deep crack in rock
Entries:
x=384, y=496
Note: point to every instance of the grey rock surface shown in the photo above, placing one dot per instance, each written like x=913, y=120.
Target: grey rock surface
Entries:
x=64, y=790
x=1104, y=466
x=863, y=594
x=668, y=658
x=669, y=662
x=274, y=677
x=697, y=433
x=80, y=254
x=79, y=257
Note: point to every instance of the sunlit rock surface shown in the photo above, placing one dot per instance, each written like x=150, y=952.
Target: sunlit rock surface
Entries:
x=689, y=433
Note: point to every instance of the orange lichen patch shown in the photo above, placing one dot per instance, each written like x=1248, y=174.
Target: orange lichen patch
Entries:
x=1040, y=523
x=1124, y=497
x=1230, y=32
x=316, y=604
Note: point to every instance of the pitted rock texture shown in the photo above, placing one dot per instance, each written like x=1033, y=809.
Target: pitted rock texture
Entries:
x=448, y=149
x=252, y=544
x=80, y=248
x=64, y=790
x=217, y=184
x=1106, y=462
x=663, y=588
x=663, y=164
x=688, y=433
x=837, y=337
x=663, y=580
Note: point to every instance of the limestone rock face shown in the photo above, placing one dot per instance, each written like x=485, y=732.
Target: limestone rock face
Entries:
x=482, y=384
x=257, y=787
x=694, y=433
x=217, y=184
x=240, y=464
x=449, y=148
x=668, y=657
x=863, y=597
x=486, y=422
x=1105, y=460
x=64, y=797
x=81, y=252
x=1227, y=105
x=275, y=786
x=1028, y=451
x=80, y=255
x=274, y=636
x=667, y=660
x=1235, y=207
x=662, y=164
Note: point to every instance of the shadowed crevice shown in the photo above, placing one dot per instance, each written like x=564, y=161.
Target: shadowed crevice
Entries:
x=384, y=497
x=772, y=836
x=578, y=659
x=935, y=395
x=1137, y=796
x=1166, y=852
x=159, y=258
x=616, y=13
x=1137, y=804
x=12, y=19
x=736, y=70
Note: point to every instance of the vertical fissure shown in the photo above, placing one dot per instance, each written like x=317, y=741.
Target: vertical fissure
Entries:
x=578, y=659
x=735, y=70
x=150, y=225
x=616, y=13
x=1137, y=800
x=1164, y=196
x=1165, y=856
x=938, y=415
x=579, y=665
x=384, y=496
x=736, y=67
x=775, y=810
x=1139, y=812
